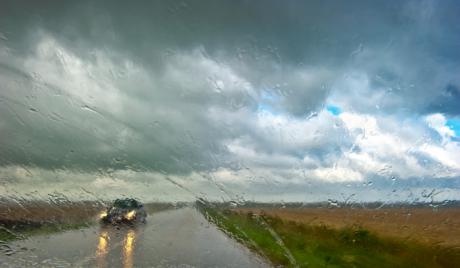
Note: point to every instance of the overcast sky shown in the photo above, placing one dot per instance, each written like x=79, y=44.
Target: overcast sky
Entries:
x=231, y=100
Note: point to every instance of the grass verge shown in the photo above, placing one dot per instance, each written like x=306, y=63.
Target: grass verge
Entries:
x=291, y=244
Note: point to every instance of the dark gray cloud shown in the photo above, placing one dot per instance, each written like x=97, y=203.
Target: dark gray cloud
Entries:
x=183, y=88
x=408, y=46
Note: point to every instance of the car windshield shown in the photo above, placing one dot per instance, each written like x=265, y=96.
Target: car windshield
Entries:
x=230, y=133
x=126, y=203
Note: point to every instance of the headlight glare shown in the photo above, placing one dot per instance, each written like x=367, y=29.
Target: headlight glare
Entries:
x=103, y=215
x=130, y=215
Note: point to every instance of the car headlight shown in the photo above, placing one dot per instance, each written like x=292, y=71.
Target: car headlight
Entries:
x=130, y=215
x=103, y=215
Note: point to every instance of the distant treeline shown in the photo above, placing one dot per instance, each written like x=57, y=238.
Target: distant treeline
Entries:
x=159, y=206
x=332, y=204
x=22, y=203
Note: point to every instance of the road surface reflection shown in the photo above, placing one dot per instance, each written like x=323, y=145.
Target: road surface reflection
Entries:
x=113, y=239
x=102, y=250
x=128, y=249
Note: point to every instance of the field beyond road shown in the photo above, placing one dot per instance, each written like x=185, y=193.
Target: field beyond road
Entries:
x=427, y=225
x=322, y=237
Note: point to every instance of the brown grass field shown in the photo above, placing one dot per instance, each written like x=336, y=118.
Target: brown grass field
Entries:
x=440, y=227
x=44, y=213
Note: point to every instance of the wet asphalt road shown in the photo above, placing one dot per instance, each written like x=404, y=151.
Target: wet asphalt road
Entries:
x=174, y=238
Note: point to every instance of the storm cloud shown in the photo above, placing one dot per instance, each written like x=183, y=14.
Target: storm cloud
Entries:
x=231, y=99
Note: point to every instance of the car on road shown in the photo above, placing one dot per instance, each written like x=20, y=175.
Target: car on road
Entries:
x=127, y=210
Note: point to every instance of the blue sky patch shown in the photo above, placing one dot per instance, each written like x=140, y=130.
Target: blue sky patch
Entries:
x=335, y=110
x=454, y=124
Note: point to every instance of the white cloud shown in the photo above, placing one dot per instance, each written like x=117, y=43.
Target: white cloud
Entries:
x=438, y=122
x=377, y=146
x=337, y=174
x=447, y=155
x=90, y=81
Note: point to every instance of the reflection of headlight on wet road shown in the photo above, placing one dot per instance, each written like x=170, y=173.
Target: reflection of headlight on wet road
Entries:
x=102, y=249
x=130, y=215
x=128, y=249
x=102, y=245
x=103, y=215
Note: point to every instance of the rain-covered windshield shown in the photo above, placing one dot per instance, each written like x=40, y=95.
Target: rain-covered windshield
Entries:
x=231, y=133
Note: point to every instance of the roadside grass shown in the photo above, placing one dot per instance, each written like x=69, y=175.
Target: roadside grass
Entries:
x=292, y=244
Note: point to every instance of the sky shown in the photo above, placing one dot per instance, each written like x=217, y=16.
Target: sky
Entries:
x=278, y=101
